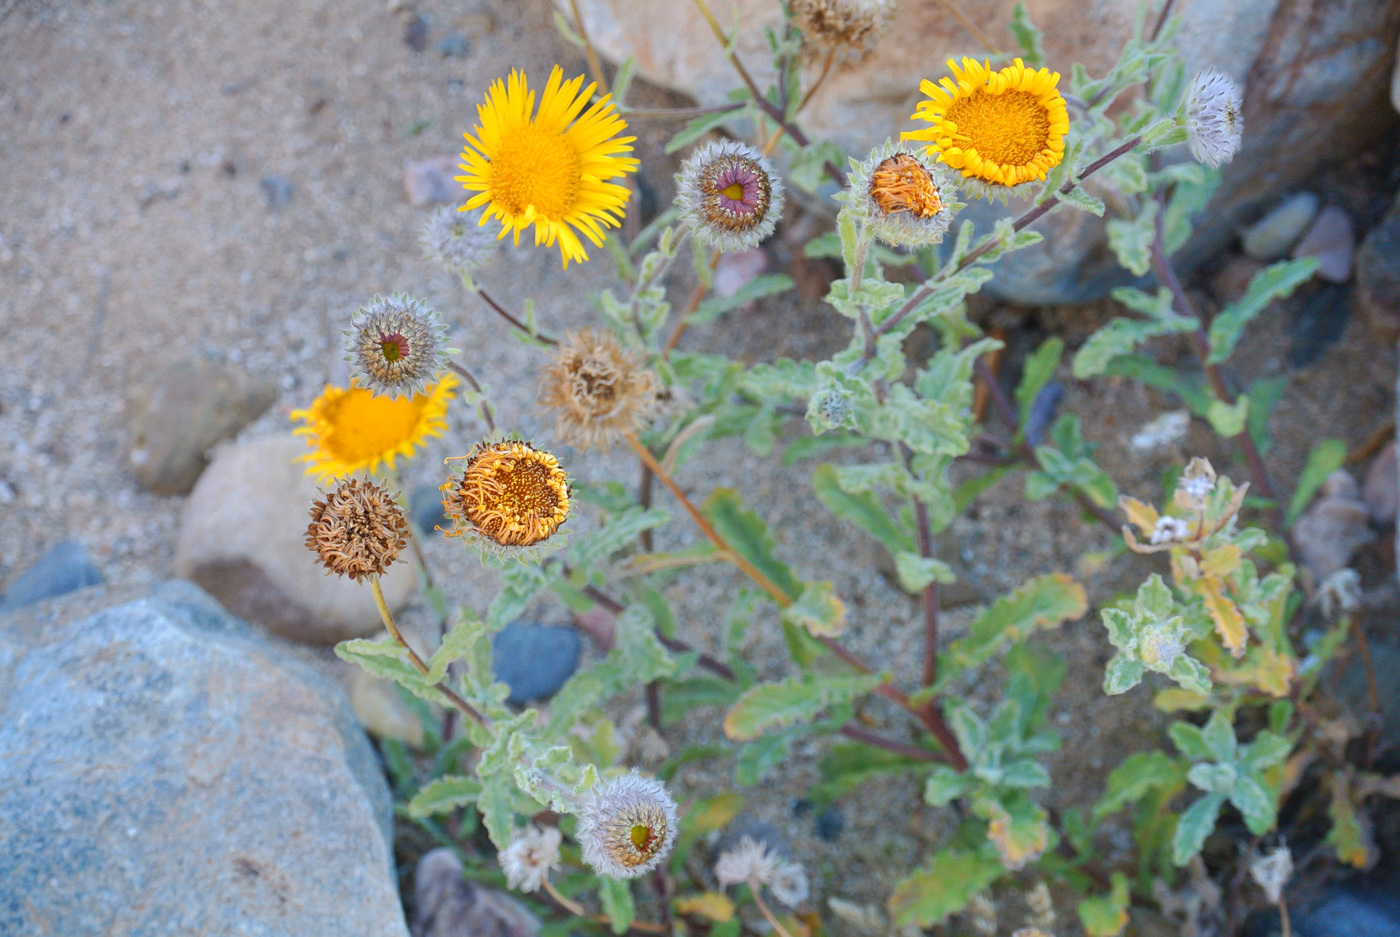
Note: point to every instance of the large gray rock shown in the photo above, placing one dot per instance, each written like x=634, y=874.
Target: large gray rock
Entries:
x=243, y=539
x=1316, y=75
x=164, y=771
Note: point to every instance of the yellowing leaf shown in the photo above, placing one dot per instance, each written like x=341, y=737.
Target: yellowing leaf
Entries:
x=1264, y=668
x=712, y=905
x=1347, y=836
x=715, y=814
x=1175, y=699
x=1018, y=828
x=1229, y=623
x=1143, y=515
x=1221, y=562
x=766, y=706
x=819, y=610
x=942, y=886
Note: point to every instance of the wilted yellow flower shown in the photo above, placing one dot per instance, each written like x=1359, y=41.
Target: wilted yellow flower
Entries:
x=352, y=429
x=357, y=530
x=598, y=389
x=510, y=498
x=1003, y=127
x=548, y=168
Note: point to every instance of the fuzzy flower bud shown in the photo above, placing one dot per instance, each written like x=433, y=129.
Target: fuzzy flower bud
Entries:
x=1214, y=118
x=397, y=345
x=627, y=825
x=729, y=195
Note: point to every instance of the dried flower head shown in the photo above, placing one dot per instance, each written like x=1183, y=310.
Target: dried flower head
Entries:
x=748, y=862
x=901, y=198
x=1196, y=484
x=729, y=195
x=548, y=168
x=510, y=498
x=627, y=825
x=789, y=883
x=530, y=857
x=1214, y=118
x=456, y=240
x=1003, y=128
x=1042, y=908
x=983, y=912
x=357, y=530
x=846, y=28
x=1339, y=592
x=397, y=345
x=352, y=429
x=1271, y=871
x=599, y=390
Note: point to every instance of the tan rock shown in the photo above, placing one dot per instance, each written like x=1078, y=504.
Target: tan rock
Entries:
x=382, y=711
x=182, y=411
x=242, y=538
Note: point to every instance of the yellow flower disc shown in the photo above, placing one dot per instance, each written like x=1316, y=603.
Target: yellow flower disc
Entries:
x=353, y=429
x=548, y=169
x=1005, y=127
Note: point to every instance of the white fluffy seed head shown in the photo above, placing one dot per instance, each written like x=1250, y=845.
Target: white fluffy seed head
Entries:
x=627, y=825
x=530, y=857
x=1214, y=118
x=749, y=861
x=1271, y=871
x=454, y=239
x=729, y=196
x=789, y=884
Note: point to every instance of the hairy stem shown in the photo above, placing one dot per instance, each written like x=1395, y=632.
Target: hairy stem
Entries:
x=929, y=598
x=451, y=695
x=483, y=406
x=499, y=310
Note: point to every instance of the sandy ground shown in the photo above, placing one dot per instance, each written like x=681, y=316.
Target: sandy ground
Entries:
x=135, y=225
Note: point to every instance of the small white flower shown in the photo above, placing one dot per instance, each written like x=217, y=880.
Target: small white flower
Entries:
x=454, y=239
x=1196, y=484
x=789, y=884
x=729, y=196
x=1340, y=591
x=1271, y=871
x=1170, y=530
x=1214, y=118
x=746, y=862
x=530, y=857
x=627, y=825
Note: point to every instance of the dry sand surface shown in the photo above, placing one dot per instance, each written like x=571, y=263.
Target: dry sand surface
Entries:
x=140, y=142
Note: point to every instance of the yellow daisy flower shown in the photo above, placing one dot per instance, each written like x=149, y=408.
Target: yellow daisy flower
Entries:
x=551, y=169
x=1004, y=127
x=353, y=429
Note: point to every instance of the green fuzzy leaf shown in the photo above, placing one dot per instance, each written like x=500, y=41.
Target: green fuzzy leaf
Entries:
x=1325, y=458
x=1219, y=737
x=1271, y=283
x=618, y=533
x=767, y=706
x=1264, y=395
x=1213, y=778
x=385, y=659
x=1190, y=674
x=443, y=795
x=944, y=785
x=1190, y=741
x=1228, y=420
x=1134, y=778
x=942, y=886
x=1121, y=675
x=495, y=802
x=1028, y=36
x=768, y=284
x=748, y=535
x=1106, y=915
x=622, y=81
x=1194, y=826
x=861, y=508
x=759, y=757
x=915, y=571
x=1256, y=803
x=1078, y=198
x=1038, y=605
x=1131, y=240
x=615, y=895
x=1123, y=335
x=1267, y=750
x=1025, y=773
x=819, y=610
x=700, y=126
x=1040, y=367
x=458, y=643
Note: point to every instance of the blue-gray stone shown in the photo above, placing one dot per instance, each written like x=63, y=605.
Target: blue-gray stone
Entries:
x=1352, y=910
x=425, y=509
x=277, y=191
x=1042, y=414
x=166, y=771
x=1270, y=237
x=534, y=660
x=454, y=46
x=64, y=568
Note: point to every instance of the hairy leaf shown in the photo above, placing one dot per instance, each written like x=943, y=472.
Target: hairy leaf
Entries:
x=443, y=795
x=1271, y=283
x=767, y=706
x=1039, y=369
x=942, y=886
x=819, y=609
x=748, y=535
x=1195, y=825
x=1040, y=604
x=1325, y=458
x=861, y=508
x=1106, y=915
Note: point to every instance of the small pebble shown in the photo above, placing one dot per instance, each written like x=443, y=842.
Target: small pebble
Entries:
x=1378, y=277
x=534, y=660
x=448, y=905
x=454, y=46
x=1043, y=412
x=1331, y=239
x=1270, y=237
x=415, y=33
x=425, y=509
x=277, y=191
x=830, y=823
x=64, y=568
x=1336, y=525
x=1318, y=323
x=429, y=181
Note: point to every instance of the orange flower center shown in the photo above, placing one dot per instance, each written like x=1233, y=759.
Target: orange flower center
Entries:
x=901, y=183
x=512, y=493
x=1010, y=129
x=534, y=167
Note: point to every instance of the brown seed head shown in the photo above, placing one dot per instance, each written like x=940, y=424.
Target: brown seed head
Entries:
x=902, y=184
x=847, y=27
x=598, y=390
x=511, y=493
x=357, y=530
